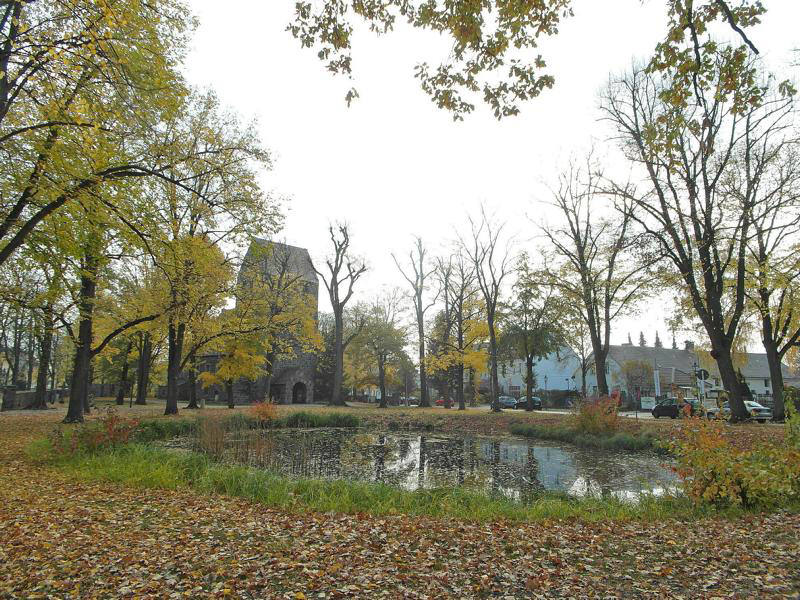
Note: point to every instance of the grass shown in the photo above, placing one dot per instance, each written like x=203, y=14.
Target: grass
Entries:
x=162, y=429
x=145, y=466
x=619, y=441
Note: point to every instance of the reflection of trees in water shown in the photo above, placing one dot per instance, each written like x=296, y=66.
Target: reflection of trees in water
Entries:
x=499, y=466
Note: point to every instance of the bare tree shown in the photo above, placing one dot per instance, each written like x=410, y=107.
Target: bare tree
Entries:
x=343, y=270
x=769, y=171
x=685, y=152
x=491, y=262
x=593, y=266
x=416, y=275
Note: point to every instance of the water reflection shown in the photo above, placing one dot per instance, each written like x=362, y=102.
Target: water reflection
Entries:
x=511, y=467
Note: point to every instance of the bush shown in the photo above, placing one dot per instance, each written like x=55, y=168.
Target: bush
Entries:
x=597, y=416
x=263, y=412
x=108, y=431
x=714, y=472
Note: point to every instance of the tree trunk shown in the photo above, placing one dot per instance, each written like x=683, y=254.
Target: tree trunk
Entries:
x=382, y=379
x=143, y=371
x=17, y=351
x=229, y=393
x=192, y=383
x=460, y=387
x=79, y=389
x=424, y=400
x=175, y=335
x=529, y=382
x=600, y=360
x=31, y=354
x=123, y=380
x=494, y=380
x=45, y=350
x=338, y=368
x=721, y=352
x=776, y=380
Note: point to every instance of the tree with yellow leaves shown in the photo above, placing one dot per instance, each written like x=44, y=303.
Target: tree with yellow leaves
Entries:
x=464, y=348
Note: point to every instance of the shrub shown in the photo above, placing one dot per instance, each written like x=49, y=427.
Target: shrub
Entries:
x=263, y=412
x=712, y=471
x=108, y=431
x=597, y=416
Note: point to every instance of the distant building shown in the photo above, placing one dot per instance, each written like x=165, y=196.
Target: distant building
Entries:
x=677, y=368
x=292, y=378
x=554, y=372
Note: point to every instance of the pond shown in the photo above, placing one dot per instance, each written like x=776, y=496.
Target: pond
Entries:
x=513, y=467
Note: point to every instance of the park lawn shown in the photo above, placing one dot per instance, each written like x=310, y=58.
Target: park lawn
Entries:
x=67, y=537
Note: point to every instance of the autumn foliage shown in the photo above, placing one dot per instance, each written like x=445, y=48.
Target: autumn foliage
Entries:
x=597, y=416
x=109, y=431
x=713, y=471
x=263, y=412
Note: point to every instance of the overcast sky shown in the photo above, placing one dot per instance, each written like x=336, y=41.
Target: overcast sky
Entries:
x=393, y=165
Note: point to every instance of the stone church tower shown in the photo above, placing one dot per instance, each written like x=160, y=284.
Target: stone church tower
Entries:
x=292, y=377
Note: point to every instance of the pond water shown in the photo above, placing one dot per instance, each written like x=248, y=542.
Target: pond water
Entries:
x=514, y=467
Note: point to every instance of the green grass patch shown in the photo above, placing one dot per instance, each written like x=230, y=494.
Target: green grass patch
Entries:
x=618, y=441
x=150, y=430
x=147, y=466
x=318, y=419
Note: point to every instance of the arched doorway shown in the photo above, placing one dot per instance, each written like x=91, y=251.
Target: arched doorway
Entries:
x=299, y=393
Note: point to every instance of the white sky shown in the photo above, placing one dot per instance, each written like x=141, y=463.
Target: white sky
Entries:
x=393, y=165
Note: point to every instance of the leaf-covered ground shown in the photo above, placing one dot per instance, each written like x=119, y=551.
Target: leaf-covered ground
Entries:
x=64, y=538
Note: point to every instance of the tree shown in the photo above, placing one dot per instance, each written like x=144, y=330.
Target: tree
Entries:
x=459, y=338
x=575, y=333
x=686, y=148
x=491, y=265
x=657, y=343
x=83, y=88
x=642, y=341
x=493, y=42
x=769, y=172
x=592, y=259
x=416, y=276
x=343, y=272
x=381, y=337
x=638, y=375
x=531, y=323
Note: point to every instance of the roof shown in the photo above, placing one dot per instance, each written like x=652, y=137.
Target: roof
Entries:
x=277, y=256
x=663, y=359
x=757, y=367
x=685, y=362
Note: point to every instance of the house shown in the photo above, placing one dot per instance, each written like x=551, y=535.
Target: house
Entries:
x=650, y=371
x=554, y=372
x=646, y=370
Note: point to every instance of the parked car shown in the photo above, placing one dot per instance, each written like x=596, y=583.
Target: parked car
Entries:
x=758, y=412
x=536, y=403
x=440, y=402
x=672, y=408
x=507, y=402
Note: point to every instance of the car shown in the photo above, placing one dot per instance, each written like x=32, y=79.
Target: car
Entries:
x=671, y=408
x=507, y=402
x=440, y=402
x=758, y=412
x=536, y=403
